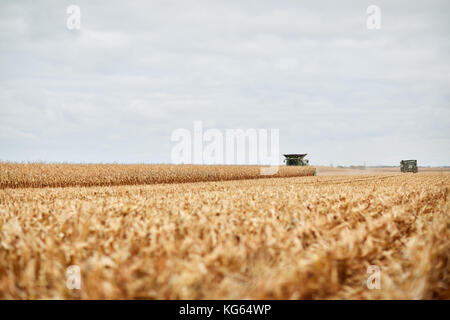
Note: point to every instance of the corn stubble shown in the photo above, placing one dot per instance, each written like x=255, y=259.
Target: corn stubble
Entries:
x=283, y=238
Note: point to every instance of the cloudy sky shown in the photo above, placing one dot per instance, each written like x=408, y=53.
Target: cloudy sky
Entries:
x=116, y=89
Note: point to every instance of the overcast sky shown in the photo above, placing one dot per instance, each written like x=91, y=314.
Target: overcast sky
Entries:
x=116, y=89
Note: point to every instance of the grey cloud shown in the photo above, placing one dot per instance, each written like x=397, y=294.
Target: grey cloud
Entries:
x=136, y=71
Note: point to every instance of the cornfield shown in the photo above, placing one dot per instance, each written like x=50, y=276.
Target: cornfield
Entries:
x=277, y=238
x=38, y=175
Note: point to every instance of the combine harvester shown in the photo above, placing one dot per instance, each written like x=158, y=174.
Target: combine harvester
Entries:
x=297, y=160
x=408, y=166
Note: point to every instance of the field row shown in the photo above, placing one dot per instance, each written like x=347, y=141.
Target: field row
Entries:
x=285, y=238
x=38, y=175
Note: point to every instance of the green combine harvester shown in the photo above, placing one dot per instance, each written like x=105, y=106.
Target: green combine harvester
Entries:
x=296, y=160
x=408, y=166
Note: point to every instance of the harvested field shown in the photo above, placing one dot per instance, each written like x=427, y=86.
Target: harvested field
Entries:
x=276, y=238
x=38, y=175
x=330, y=171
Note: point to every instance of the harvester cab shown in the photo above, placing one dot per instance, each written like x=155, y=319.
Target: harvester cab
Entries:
x=408, y=166
x=296, y=159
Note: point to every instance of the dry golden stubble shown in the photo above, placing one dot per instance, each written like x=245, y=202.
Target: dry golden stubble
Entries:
x=283, y=238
